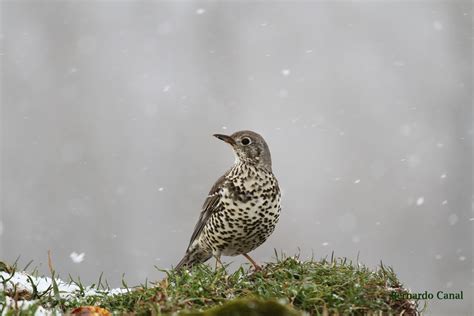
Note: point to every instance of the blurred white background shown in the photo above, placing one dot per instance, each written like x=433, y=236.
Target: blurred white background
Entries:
x=108, y=110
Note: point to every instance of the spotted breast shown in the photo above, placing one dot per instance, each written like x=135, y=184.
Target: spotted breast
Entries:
x=242, y=208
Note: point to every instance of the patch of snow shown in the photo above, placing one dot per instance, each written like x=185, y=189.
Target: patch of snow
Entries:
x=67, y=290
x=24, y=305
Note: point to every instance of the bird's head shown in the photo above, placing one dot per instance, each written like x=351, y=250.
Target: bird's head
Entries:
x=249, y=147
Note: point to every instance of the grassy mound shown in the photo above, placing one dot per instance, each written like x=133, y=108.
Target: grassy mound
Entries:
x=286, y=287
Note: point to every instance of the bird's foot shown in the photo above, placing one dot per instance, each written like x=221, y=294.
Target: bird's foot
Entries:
x=255, y=265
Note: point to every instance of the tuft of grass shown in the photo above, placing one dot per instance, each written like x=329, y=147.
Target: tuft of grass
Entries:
x=327, y=287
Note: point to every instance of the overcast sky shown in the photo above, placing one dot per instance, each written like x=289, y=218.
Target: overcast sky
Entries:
x=108, y=110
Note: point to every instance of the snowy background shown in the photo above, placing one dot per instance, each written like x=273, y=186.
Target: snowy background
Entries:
x=108, y=110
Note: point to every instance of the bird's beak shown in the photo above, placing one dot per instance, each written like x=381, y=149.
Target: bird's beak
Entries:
x=225, y=138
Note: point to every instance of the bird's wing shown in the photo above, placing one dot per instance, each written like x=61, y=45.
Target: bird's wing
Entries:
x=210, y=206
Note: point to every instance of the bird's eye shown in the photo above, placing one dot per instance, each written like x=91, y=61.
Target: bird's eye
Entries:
x=246, y=141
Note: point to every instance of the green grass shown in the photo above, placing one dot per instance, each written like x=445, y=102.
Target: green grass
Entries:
x=326, y=287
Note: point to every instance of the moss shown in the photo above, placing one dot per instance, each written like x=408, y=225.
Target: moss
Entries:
x=248, y=307
x=326, y=287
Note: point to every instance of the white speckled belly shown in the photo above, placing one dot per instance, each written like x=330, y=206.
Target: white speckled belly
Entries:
x=249, y=212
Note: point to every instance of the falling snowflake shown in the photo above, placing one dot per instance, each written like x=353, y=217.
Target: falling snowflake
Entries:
x=77, y=258
x=443, y=176
x=444, y=202
x=405, y=130
x=437, y=25
x=283, y=93
x=462, y=258
x=166, y=88
x=357, y=181
x=438, y=257
x=453, y=219
x=420, y=201
x=161, y=189
x=414, y=160
x=325, y=244
x=285, y=72
x=200, y=11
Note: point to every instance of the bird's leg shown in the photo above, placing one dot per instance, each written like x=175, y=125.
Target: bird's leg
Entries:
x=218, y=262
x=255, y=265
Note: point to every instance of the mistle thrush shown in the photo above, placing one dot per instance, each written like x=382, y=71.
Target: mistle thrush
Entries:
x=242, y=208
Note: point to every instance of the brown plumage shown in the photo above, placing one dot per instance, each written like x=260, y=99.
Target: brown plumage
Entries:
x=242, y=207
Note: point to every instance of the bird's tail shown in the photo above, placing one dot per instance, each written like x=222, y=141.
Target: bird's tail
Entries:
x=192, y=257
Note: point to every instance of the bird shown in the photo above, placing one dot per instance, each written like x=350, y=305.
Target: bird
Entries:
x=242, y=207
